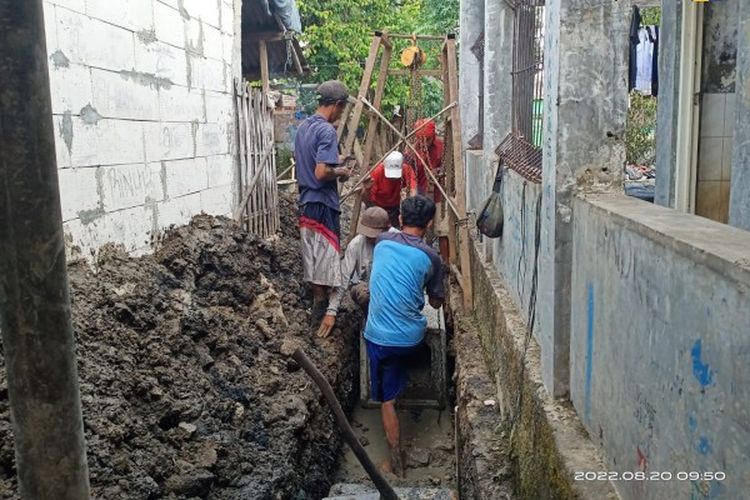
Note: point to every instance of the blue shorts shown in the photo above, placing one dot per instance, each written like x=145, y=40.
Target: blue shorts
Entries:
x=388, y=373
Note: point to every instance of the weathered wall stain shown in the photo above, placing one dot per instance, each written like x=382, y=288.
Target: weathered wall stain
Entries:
x=90, y=115
x=66, y=130
x=147, y=79
x=147, y=36
x=720, y=47
x=59, y=59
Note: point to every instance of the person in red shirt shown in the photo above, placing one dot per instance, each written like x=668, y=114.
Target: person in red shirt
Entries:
x=430, y=148
x=383, y=189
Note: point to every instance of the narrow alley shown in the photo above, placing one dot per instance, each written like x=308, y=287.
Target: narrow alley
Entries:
x=362, y=249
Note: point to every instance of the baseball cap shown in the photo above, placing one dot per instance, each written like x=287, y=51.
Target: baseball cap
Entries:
x=373, y=222
x=331, y=92
x=393, y=165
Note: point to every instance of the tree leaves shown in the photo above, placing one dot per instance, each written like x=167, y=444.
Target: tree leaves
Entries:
x=338, y=34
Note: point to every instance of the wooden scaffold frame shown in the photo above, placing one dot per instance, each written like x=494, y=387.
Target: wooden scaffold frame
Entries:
x=452, y=215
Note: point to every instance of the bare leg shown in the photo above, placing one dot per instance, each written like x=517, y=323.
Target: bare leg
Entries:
x=393, y=437
x=320, y=296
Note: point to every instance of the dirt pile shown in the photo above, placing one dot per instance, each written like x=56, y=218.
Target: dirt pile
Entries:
x=185, y=385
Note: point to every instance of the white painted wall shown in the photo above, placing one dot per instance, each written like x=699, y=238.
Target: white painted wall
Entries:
x=144, y=116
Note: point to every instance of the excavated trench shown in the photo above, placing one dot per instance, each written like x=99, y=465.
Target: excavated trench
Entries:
x=187, y=387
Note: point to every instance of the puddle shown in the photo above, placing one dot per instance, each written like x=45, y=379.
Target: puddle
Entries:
x=428, y=443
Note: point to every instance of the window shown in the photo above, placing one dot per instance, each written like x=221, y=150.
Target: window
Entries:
x=521, y=150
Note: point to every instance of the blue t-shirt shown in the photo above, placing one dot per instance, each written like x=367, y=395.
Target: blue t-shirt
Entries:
x=316, y=142
x=403, y=266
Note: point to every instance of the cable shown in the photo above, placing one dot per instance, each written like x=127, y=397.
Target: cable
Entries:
x=531, y=312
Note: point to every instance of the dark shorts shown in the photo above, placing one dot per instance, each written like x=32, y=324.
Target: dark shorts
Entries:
x=388, y=370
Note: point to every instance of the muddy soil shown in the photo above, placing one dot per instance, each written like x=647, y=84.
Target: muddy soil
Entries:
x=186, y=386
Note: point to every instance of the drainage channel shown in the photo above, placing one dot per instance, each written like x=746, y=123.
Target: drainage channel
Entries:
x=426, y=420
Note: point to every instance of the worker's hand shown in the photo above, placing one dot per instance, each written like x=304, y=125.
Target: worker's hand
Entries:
x=326, y=326
x=343, y=173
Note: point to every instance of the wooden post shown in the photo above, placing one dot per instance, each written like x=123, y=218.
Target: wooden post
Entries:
x=37, y=333
x=356, y=114
x=264, y=75
x=459, y=173
x=364, y=163
x=342, y=121
x=447, y=247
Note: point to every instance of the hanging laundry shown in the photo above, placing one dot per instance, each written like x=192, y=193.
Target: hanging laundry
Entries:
x=644, y=62
x=635, y=25
x=654, y=34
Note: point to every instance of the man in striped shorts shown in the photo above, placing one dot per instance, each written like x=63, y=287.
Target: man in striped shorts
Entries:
x=318, y=170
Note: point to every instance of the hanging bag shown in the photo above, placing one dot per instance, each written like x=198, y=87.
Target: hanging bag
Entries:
x=490, y=219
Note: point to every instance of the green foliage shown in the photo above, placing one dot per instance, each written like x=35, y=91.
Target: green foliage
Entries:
x=338, y=34
x=651, y=16
x=640, y=138
x=441, y=16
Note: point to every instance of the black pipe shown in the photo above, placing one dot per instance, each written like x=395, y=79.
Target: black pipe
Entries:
x=37, y=333
x=385, y=489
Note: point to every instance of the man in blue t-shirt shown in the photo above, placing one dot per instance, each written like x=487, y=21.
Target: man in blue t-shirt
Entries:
x=403, y=268
x=317, y=160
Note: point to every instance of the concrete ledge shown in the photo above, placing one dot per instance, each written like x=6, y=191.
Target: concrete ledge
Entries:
x=547, y=442
x=723, y=248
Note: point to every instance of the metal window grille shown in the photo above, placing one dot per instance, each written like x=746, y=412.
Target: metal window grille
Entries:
x=521, y=150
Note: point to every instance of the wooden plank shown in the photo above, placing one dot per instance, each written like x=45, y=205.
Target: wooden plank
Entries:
x=364, y=161
x=459, y=175
x=297, y=62
x=343, y=121
x=241, y=141
x=363, y=87
x=377, y=101
x=449, y=217
x=264, y=75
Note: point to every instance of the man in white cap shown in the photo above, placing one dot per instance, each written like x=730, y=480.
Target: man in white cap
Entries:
x=386, y=182
x=355, y=266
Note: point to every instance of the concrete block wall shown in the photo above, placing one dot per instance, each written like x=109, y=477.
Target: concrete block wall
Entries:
x=144, y=115
x=512, y=255
x=659, y=345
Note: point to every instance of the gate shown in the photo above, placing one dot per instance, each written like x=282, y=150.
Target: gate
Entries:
x=258, y=210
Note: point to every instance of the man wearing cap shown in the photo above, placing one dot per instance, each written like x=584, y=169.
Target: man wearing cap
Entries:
x=355, y=267
x=318, y=169
x=430, y=148
x=383, y=188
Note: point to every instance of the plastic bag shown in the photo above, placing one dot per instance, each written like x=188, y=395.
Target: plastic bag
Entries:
x=490, y=218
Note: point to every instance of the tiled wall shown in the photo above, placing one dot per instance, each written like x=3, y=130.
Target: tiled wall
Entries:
x=717, y=110
x=715, y=156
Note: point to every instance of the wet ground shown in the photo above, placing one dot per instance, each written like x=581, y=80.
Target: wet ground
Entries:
x=428, y=442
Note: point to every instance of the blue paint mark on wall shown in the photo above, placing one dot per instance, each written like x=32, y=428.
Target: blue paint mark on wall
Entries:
x=701, y=371
x=704, y=446
x=589, y=352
